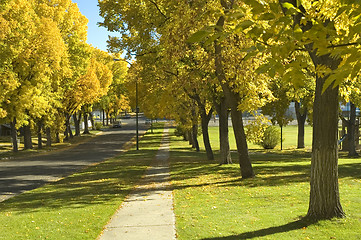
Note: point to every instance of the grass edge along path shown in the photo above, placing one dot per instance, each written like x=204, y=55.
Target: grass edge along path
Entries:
x=78, y=206
x=213, y=202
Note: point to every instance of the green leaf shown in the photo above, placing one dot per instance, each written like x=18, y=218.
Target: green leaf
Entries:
x=267, y=16
x=288, y=5
x=244, y=25
x=328, y=82
x=198, y=36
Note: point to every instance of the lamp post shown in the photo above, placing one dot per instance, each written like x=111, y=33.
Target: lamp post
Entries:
x=136, y=106
x=137, y=114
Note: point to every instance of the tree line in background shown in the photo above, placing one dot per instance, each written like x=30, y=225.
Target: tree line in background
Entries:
x=194, y=58
x=48, y=72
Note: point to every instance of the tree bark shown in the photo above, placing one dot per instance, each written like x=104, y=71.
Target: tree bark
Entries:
x=301, y=120
x=224, y=148
x=77, y=120
x=28, y=144
x=351, y=132
x=48, y=137
x=241, y=140
x=103, y=117
x=92, y=120
x=57, y=137
x=324, y=193
x=14, y=135
x=205, y=118
x=40, y=137
x=195, y=137
x=190, y=138
x=195, y=129
x=107, y=113
x=86, y=127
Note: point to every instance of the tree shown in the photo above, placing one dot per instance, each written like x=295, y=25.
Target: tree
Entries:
x=278, y=109
x=327, y=33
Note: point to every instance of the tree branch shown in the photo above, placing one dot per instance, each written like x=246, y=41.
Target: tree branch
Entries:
x=160, y=11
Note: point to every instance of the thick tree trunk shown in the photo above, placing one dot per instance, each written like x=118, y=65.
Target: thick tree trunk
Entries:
x=86, y=127
x=241, y=141
x=351, y=132
x=324, y=193
x=14, y=136
x=205, y=121
x=301, y=120
x=40, y=137
x=77, y=120
x=28, y=144
x=48, y=137
x=225, y=152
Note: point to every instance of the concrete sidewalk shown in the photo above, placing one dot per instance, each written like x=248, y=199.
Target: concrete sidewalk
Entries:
x=147, y=213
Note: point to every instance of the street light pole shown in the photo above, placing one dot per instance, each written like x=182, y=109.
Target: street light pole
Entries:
x=136, y=105
x=137, y=113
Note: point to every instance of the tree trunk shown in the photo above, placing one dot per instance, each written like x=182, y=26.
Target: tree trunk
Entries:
x=205, y=121
x=195, y=135
x=281, y=137
x=67, y=127
x=351, y=132
x=241, y=141
x=77, y=120
x=48, y=137
x=92, y=120
x=225, y=152
x=190, y=138
x=40, y=137
x=301, y=119
x=232, y=100
x=28, y=144
x=103, y=117
x=57, y=137
x=324, y=193
x=14, y=135
x=86, y=127
x=107, y=118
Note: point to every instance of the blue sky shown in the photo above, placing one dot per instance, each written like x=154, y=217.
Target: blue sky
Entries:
x=97, y=36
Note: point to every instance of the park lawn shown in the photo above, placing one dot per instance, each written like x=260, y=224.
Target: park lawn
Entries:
x=289, y=138
x=213, y=202
x=78, y=206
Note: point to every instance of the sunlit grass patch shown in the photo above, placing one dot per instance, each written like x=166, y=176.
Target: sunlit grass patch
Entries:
x=78, y=206
x=213, y=202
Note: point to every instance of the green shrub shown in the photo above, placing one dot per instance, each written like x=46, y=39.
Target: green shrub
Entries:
x=271, y=137
x=98, y=125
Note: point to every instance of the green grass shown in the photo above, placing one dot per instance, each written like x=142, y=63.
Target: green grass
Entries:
x=77, y=207
x=289, y=136
x=213, y=202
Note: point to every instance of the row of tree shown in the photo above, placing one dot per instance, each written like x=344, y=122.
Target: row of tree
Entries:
x=195, y=57
x=49, y=73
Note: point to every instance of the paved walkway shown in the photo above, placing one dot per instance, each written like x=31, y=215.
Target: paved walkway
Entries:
x=147, y=213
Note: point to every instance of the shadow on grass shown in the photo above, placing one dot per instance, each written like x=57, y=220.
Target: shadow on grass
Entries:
x=101, y=183
x=299, y=224
x=272, y=168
